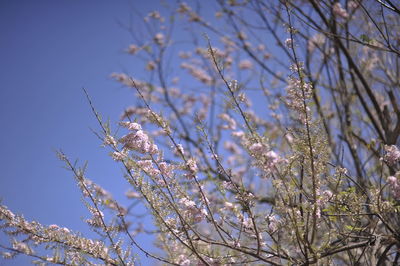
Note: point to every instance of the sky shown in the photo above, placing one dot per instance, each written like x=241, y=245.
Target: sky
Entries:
x=49, y=51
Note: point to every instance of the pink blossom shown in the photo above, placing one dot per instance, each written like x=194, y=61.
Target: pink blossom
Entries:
x=154, y=15
x=65, y=230
x=166, y=169
x=132, y=194
x=267, y=56
x=245, y=64
x=257, y=149
x=54, y=227
x=119, y=156
x=339, y=11
x=289, y=43
x=232, y=147
x=231, y=122
x=316, y=41
x=192, y=167
x=128, y=112
x=185, y=55
x=392, y=154
x=186, y=262
x=190, y=209
x=109, y=140
x=272, y=156
x=138, y=141
x=153, y=149
x=133, y=49
x=227, y=185
x=22, y=247
x=147, y=167
x=183, y=260
x=352, y=5
x=187, y=203
x=272, y=223
x=183, y=8
x=327, y=194
x=394, y=184
x=151, y=65
x=247, y=223
x=198, y=73
x=159, y=38
x=228, y=205
x=131, y=126
x=199, y=215
x=179, y=150
x=238, y=134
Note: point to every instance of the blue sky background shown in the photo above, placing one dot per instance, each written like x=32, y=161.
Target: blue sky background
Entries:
x=49, y=50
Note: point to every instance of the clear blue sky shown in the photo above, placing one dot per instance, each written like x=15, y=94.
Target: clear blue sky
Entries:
x=49, y=50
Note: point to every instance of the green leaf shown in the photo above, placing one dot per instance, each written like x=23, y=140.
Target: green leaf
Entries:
x=365, y=38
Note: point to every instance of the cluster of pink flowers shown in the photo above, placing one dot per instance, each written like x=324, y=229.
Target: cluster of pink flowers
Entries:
x=154, y=15
x=130, y=194
x=109, y=140
x=159, y=38
x=234, y=151
x=120, y=155
x=258, y=149
x=36, y=234
x=247, y=223
x=148, y=168
x=297, y=93
x=394, y=184
x=273, y=223
x=352, y=4
x=138, y=140
x=96, y=220
x=198, y=73
x=245, y=64
x=339, y=11
x=269, y=158
x=133, y=110
x=231, y=122
x=179, y=150
x=160, y=172
x=392, y=154
x=289, y=43
x=103, y=196
x=126, y=80
x=192, y=167
x=185, y=9
x=191, y=211
x=316, y=41
x=22, y=247
x=151, y=65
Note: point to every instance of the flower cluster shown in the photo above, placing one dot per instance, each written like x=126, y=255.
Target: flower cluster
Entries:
x=76, y=247
x=266, y=158
x=394, y=184
x=89, y=188
x=198, y=73
x=392, y=154
x=339, y=11
x=138, y=141
x=231, y=122
x=192, y=168
x=190, y=210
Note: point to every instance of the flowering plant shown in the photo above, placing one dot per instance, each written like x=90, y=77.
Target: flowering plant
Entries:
x=277, y=145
